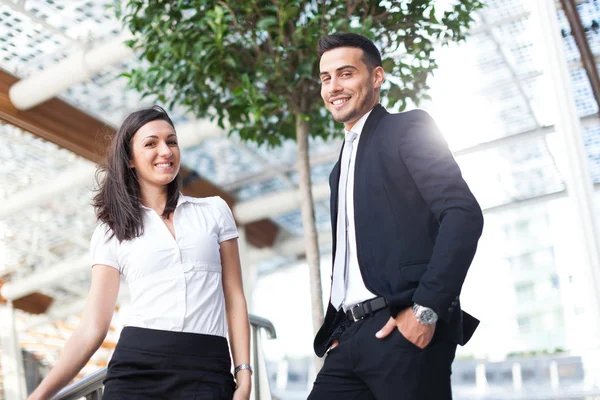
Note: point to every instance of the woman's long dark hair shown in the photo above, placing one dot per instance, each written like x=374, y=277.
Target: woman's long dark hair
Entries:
x=117, y=201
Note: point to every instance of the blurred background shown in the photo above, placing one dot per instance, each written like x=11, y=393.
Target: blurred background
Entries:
x=514, y=101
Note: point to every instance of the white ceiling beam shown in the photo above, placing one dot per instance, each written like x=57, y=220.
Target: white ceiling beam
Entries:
x=294, y=246
x=189, y=134
x=79, y=175
x=44, y=278
x=275, y=204
x=79, y=67
x=272, y=172
x=61, y=311
x=195, y=132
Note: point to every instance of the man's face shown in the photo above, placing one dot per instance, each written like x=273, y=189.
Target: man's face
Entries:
x=348, y=89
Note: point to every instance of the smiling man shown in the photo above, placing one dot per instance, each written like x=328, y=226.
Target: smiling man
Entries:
x=405, y=229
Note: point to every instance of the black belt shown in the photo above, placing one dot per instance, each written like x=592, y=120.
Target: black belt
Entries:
x=365, y=309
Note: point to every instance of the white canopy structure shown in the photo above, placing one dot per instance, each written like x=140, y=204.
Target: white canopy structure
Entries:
x=513, y=102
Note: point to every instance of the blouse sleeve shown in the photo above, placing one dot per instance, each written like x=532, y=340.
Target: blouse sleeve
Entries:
x=227, y=227
x=104, y=250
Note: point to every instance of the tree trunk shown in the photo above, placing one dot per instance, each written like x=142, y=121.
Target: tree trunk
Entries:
x=310, y=229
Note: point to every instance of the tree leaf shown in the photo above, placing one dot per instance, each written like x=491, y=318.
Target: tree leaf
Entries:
x=254, y=63
x=266, y=23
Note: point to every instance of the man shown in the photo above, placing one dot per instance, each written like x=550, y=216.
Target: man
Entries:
x=405, y=229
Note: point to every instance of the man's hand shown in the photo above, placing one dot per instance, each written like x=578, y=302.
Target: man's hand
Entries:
x=334, y=344
x=415, y=332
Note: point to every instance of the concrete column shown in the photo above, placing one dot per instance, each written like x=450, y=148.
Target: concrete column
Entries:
x=12, y=359
x=282, y=374
x=517, y=376
x=554, y=378
x=481, y=383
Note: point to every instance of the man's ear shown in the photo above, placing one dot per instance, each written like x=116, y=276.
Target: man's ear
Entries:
x=378, y=76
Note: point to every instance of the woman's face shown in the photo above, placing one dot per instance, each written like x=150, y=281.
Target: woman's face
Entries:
x=156, y=155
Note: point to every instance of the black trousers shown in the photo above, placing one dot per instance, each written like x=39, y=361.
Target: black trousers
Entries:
x=155, y=364
x=364, y=367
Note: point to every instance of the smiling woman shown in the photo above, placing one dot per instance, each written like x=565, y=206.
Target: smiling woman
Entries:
x=145, y=138
x=155, y=150
x=180, y=258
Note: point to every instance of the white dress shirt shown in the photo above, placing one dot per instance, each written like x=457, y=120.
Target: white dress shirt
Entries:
x=356, y=291
x=175, y=284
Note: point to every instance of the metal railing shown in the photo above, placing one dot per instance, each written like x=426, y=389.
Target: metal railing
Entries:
x=91, y=386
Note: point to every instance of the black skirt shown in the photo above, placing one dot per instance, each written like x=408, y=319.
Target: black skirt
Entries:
x=155, y=364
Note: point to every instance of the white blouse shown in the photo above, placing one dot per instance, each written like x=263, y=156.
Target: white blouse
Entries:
x=175, y=284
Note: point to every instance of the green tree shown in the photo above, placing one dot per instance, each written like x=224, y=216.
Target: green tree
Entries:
x=253, y=66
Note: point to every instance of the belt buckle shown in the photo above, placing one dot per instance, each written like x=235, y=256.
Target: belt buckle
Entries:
x=356, y=306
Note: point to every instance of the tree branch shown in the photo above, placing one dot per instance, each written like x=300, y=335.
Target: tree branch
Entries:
x=351, y=7
x=235, y=22
x=382, y=16
x=270, y=46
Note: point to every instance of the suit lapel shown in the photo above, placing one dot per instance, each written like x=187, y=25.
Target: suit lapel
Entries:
x=366, y=135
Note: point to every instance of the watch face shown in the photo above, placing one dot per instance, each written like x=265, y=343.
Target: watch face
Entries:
x=427, y=316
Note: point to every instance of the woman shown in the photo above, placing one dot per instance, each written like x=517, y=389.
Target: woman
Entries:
x=180, y=258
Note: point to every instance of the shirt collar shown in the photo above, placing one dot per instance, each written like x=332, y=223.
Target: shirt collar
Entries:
x=180, y=200
x=360, y=124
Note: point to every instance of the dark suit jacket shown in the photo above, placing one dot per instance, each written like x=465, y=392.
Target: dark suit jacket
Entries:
x=417, y=223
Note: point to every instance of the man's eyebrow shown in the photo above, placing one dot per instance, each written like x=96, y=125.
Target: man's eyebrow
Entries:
x=339, y=69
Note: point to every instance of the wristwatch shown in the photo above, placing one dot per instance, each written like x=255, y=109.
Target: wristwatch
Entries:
x=425, y=315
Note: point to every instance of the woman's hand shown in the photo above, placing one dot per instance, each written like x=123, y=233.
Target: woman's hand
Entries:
x=244, y=384
x=88, y=336
x=241, y=394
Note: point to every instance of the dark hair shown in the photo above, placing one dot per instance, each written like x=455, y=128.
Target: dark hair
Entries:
x=371, y=56
x=117, y=201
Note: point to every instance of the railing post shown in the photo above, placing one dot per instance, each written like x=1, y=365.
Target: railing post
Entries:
x=255, y=362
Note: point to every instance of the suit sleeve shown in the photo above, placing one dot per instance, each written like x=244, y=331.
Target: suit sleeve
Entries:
x=439, y=180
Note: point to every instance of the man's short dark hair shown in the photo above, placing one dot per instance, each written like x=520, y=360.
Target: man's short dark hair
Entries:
x=371, y=56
